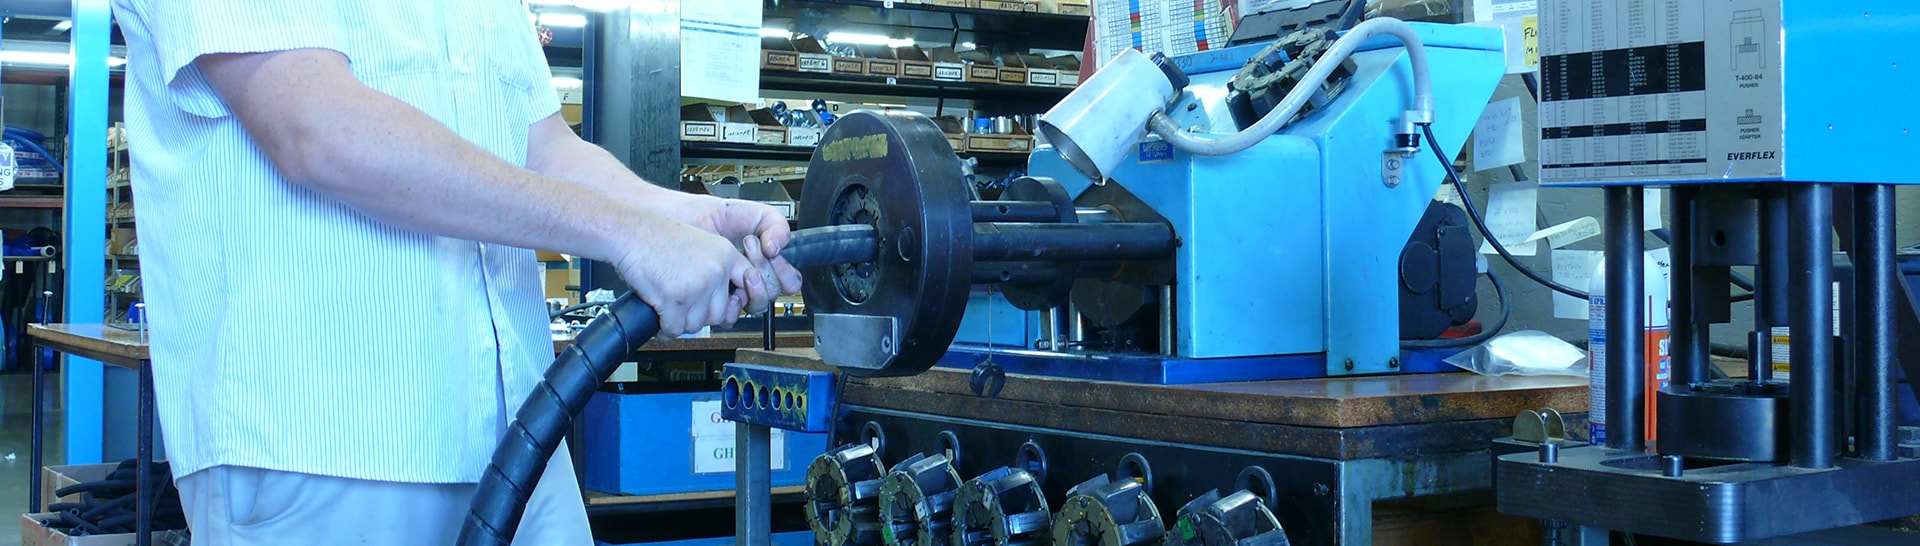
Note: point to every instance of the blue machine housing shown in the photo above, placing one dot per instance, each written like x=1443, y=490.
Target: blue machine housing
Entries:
x=1289, y=255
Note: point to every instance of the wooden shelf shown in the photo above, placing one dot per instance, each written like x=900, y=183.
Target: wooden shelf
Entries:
x=1013, y=98
x=719, y=496
x=32, y=202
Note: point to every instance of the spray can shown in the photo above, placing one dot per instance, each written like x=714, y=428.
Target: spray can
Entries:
x=1659, y=298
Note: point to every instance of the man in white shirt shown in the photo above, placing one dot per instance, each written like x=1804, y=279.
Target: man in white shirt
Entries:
x=336, y=198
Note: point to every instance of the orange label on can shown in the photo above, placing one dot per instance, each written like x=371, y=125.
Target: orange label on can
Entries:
x=1659, y=373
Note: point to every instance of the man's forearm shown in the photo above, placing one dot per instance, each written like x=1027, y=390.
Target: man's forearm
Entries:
x=555, y=151
x=400, y=166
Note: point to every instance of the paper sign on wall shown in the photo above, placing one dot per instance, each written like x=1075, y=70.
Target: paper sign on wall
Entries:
x=1510, y=215
x=1498, y=140
x=1573, y=268
x=720, y=50
x=1654, y=208
x=713, y=441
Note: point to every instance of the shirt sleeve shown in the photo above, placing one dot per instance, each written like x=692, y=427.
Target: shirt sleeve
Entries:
x=525, y=56
x=184, y=30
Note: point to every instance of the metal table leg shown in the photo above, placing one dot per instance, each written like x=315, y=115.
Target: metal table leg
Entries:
x=753, y=485
x=38, y=433
x=143, y=462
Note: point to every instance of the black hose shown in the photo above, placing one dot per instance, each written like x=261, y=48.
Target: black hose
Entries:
x=547, y=415
x=574, y=307
x=1486, y=333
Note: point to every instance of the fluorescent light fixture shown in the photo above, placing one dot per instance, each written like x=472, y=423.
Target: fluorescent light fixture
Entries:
x=116, y=61
x=36, y=58
x=867, y=39
x=62, y=26
x=564, y=20
x=549, y=2
x=775, y=33
x=563, y=82
x=968, y=45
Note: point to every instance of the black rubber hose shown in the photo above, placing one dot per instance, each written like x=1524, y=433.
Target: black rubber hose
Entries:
x=547, y=415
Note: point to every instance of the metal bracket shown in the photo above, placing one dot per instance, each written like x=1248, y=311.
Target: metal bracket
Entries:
x=856, y=341
x=1391, y=163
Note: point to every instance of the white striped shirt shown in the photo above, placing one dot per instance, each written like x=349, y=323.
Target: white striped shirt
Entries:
x=290, y=332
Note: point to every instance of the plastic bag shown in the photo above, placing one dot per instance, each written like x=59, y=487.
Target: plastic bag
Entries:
x=1527, y=352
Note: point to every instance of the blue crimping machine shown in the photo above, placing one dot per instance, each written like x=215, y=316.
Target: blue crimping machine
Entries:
x=1296, y=255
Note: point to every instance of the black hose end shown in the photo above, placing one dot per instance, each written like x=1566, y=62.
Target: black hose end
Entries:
x=1406, y=141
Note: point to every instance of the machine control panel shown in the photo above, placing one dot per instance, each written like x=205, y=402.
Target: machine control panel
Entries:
x=1660, y=90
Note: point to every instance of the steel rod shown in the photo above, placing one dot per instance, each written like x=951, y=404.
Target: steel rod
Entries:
x=1769, y=283
x=1810, y=313
x=1874, y=273
x=1688, y=353
x=753, y=485
x=148, y=492
x=1626, y=319
x=1069, y=242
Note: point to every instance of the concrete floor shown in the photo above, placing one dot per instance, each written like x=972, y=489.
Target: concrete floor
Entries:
x=16, y=467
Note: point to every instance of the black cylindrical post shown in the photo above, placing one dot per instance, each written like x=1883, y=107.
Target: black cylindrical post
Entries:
x=1770, y=280
x=1810, y=313
x=1626, y=320
x=1689, y=335
x=1070, y=242
x=1874, y=273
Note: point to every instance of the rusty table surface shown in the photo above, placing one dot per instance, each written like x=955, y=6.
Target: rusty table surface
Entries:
x=96, y=341
x=1328, y=403
x=726, y=341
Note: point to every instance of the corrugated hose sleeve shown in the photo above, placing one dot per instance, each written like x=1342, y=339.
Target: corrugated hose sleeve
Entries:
x=547, y=415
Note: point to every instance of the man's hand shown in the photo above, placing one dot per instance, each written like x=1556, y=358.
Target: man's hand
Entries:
x=759, y=228
x=554, y=150
x=689, y=276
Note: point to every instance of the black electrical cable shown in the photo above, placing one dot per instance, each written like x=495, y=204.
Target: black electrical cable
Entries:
x=1473, y=213
x=1486, y=333
x=574, y=307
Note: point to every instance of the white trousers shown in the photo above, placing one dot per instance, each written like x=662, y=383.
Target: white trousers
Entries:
x=242, y=506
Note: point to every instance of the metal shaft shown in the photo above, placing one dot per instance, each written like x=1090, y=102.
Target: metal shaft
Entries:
x=753, y=485
x=1874, y=274
x=1626, y=320
x=1810, y=312
x=1769, y=283
x=1690, y=335
x=1070, y=242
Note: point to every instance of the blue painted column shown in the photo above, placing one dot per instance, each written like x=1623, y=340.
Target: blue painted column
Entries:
x=86, y=220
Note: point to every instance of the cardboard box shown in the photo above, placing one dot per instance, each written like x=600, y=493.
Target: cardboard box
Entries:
x=33, y=533
x=803, y=136
x=1002, y=5
x=948, y=67
x=914, y=63
x=852, y=66
x=813, y=56
x=770, y=132
x=1014, y=144
x=776, y=53
x=699, y=131
x=981, y=67
x=949, y=3
x=53, y=478
x=558, y=279
x=1013, y=71
x=957, y=141
x=1066, y=7
x=1069, y=68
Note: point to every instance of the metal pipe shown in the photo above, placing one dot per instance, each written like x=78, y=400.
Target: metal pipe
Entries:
x=1069, y=242
x=753, y=485
x=1770, y=277
x=1690, y=336
x=1047, y=325
x=1810, y=312
x=1874, y=273
x=1626, y=320
x=1167, y=344
x=1076, y=328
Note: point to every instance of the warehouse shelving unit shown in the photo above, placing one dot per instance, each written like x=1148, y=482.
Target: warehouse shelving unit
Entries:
x=123, y=259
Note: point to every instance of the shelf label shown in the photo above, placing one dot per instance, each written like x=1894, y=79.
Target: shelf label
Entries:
x=891, y=80
x=713, y=441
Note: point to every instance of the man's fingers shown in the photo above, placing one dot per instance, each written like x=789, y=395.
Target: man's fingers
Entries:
x=788, y=277
x=773, y=232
